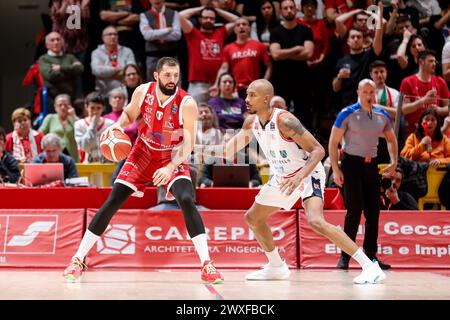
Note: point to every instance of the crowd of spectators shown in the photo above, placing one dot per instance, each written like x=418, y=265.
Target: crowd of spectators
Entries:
x=314, y=52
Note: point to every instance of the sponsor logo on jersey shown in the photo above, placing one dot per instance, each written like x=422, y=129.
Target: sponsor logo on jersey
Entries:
x=272, y=126
x=317, y=191
x=158, y=136
x=272, y=153
x=147, y=119
x=174, y=109
x=169, y=124
x=283, y=153
x=159, y=115
x=149, y=98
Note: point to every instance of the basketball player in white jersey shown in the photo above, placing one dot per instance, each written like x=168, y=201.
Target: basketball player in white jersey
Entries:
x=165, y=141
x=294, y=157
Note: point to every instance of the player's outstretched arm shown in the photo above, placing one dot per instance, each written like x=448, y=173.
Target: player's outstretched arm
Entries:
x=291, y=127
x=190, y=122
x=240, y=140
x=129, y=114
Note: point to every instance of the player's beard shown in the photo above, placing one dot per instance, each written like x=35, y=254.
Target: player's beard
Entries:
x=208, y=25
x=290, y=17
x=167, y=91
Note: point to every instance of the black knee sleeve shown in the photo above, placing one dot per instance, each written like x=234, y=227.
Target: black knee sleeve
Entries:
x=183, y=192
x=116, y=199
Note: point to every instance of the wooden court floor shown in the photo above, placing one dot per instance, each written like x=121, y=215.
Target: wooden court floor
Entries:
x=145, y=284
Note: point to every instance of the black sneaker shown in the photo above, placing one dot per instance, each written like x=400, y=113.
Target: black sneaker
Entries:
x=343, y=263
x=383, y=266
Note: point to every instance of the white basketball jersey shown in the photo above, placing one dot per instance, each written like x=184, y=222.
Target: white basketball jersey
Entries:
x=285, y=157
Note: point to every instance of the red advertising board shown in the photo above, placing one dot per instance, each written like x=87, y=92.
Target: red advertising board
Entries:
x=405, y=240
x=39, y=238
x=158, y=239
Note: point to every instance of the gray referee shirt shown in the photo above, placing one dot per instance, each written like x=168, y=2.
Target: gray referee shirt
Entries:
x=362, y=129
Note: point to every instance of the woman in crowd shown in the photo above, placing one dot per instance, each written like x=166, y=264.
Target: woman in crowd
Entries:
x=132, y=78
x=446, y=127
x=62, y=124
x=266, y=20
x=23, y=142
x=117, y=99
x=427, y=144
x=319, y=29
x=230, y=109
x=408, y=51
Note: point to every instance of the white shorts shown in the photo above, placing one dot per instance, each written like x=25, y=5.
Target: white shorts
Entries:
x=312, y=186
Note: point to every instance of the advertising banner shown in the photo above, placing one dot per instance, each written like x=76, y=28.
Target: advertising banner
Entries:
x=406, y=239
x=159, y=239
x=39, y=238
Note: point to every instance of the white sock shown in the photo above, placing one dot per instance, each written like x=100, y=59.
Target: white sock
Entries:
x=274, y=258
x=89, y=239
x=362, y=259
x=201, y=246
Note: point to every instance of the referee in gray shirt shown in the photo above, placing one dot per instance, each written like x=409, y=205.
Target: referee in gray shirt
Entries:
x=360, y=125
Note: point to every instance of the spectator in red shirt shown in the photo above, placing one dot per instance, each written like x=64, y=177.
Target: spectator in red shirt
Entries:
x=333, y=8
x=244, y=57
x=24, y=143
x=319, y=29
x=423, y=90
x=317, y=75
x=204, y=48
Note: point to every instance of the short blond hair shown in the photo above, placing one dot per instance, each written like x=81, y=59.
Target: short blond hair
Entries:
x=20, y=113
x=365, y=82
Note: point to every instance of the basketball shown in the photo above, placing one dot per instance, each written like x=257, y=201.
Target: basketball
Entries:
x=117, y=147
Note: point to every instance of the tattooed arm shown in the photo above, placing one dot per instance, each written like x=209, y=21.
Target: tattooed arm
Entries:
x=291, y=127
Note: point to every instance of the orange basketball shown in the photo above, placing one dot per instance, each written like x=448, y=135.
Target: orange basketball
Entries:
x=117, y=147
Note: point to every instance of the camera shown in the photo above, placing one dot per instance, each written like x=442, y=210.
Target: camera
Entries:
x=385, y=183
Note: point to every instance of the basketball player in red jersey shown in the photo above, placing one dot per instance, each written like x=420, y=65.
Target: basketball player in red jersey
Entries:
x=165, y=141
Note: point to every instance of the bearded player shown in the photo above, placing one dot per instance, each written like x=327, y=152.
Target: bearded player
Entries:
x=166, y=138
x=294, y=157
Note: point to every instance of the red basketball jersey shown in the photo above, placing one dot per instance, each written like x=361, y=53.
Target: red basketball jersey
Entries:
x=161, y=126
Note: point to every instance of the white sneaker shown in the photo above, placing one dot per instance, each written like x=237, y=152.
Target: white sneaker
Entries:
x=372, y=275
x=270, y=273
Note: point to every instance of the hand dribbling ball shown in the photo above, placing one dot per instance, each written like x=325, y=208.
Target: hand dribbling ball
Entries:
x=116, y=146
